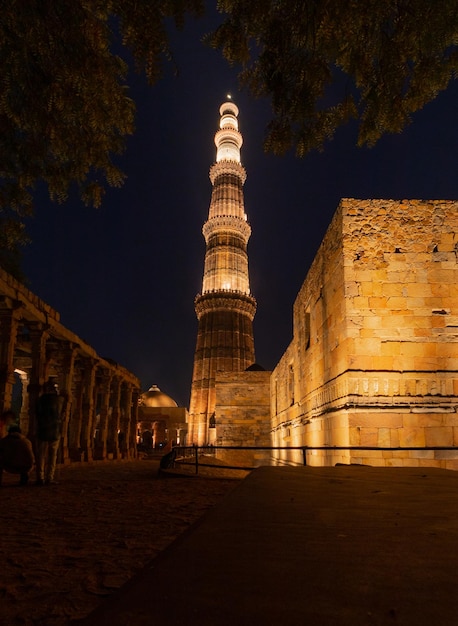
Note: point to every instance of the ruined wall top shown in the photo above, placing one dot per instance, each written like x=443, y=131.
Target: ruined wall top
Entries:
x=368, y=230
x=399, y=225
x=15, y=290
x=30, y=308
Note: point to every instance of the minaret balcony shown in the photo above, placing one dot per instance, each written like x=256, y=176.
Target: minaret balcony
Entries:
x=226, y=223
x=224, y=300
x=228, y=135
x=227, y=167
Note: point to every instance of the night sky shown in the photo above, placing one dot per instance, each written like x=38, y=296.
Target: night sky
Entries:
x=124, y=276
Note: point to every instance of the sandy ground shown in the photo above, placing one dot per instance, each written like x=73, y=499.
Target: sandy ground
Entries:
x=315, y=546
x=65, y=547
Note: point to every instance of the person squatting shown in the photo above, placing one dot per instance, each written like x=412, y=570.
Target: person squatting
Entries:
x=16, y=454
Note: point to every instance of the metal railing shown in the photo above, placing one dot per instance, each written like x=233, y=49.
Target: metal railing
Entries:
x=189, y=455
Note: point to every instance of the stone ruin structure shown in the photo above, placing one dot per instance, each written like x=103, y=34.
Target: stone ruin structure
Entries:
x=374, y=357
x=100, y=418
x=370, y=376
x=372, y=366
x=160, y=420
x=242, y=416
x=225, y=308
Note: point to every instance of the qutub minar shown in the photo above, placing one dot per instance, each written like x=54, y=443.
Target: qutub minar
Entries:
x=225, y=309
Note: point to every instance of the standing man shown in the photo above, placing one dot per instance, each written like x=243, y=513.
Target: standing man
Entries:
x=49, y=429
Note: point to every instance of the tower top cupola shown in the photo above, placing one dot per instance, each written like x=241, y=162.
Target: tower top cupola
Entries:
x=229, y=112
x=228, y=140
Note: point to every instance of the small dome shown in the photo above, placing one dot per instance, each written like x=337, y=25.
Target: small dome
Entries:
x=155, y=398
x=255, y=367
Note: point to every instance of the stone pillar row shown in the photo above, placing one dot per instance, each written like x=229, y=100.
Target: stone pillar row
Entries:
x=101, y=401
x=9, y=322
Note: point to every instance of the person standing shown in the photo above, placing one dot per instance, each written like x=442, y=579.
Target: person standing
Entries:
x=49, y=430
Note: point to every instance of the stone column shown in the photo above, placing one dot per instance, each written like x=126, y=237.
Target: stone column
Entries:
x=115, y=418
x=131, y=435
x=68, y=355
x=38, y=374
x=24, y=415
x=125, y=417
x=181, y=436
x=159, y=434
x=76, y=423
x=88, y=407
x=9, y=323
x=100, y=452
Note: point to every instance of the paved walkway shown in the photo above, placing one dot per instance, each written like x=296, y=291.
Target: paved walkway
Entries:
x=308, y=546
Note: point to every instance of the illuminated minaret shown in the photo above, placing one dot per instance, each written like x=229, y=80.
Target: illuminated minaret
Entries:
x=225, y=309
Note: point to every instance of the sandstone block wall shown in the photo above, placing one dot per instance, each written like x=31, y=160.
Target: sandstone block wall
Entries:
x=374, y=356
x=242, y=416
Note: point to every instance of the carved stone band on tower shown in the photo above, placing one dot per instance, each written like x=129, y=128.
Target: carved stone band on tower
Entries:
x=225, y=309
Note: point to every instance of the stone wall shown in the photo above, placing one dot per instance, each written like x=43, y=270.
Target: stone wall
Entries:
x=242, y=415
x=166, y=423
x=374, y=356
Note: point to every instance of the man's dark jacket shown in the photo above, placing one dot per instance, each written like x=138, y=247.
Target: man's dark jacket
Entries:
x=49, y=408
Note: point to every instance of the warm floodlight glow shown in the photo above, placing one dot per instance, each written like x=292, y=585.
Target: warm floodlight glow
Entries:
x=225, y=309
x=228, y=151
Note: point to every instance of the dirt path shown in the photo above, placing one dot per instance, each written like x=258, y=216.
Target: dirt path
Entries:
x=66, y=546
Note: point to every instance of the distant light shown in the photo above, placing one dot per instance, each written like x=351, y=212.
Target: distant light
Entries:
x=229, y=97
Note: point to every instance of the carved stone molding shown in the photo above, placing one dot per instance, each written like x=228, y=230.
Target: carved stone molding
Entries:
x=223, y=301
x=226, y=223
x=227, y=167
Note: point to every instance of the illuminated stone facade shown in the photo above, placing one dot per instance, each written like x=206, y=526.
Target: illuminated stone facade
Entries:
x=242, y=416
x=374, y=357
x=160, y=420
x=225, y=309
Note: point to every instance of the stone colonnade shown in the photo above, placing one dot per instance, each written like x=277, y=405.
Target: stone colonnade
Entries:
x=101, y=397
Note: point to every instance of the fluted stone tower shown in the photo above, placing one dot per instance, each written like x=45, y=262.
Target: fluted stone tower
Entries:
x=225, y=309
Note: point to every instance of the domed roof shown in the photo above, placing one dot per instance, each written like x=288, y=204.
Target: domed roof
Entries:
x=255, y=367
x=154, y=397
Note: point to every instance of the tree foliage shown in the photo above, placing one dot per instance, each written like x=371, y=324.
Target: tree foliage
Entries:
x=65, y=108
x=64, y=105
x=323, y=62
